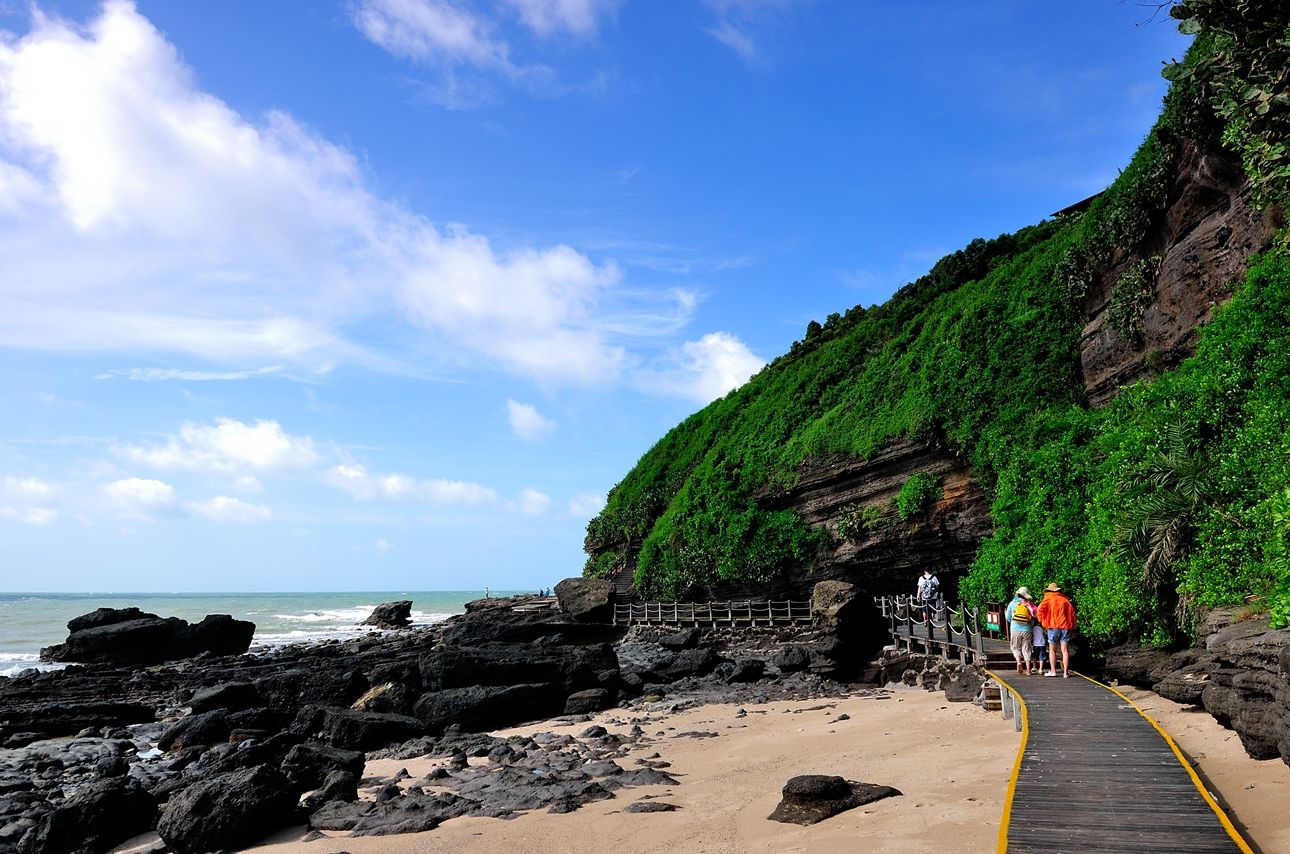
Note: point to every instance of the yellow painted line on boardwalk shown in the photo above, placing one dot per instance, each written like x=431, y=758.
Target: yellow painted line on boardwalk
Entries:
x=1191, y=772
x=1016, y=766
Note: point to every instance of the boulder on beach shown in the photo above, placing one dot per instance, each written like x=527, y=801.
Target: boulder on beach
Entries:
x=96, y=818
x=587, y=600
x=131, y=636
x=391, y=615
x=811, y=798
x=228, y=811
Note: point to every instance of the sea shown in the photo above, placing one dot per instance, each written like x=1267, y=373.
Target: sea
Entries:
x=29, y=621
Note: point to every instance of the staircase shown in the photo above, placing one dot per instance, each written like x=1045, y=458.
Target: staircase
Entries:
x=623, y=582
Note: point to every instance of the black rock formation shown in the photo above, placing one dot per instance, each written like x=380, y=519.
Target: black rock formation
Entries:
x=811, y=798
x=391, y=615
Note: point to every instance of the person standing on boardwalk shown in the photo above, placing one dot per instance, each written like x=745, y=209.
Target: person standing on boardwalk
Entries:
x=1020, y=619
x=929, y=587
x=1058, y=616
x=1040, y=635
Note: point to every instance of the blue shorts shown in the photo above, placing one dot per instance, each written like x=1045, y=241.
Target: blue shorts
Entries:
x=1059, y=635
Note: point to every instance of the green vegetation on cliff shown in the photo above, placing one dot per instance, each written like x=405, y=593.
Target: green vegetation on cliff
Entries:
x=1172, y=497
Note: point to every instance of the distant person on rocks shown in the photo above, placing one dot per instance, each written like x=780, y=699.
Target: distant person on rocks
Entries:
x=1020, y=640
x=929, y=588
x=1058, y=616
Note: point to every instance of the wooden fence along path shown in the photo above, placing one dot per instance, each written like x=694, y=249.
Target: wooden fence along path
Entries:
x=746, y=613
x=940, y=629
x=1095, y=774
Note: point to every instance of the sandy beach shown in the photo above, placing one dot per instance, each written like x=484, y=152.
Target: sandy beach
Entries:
x=950, y=760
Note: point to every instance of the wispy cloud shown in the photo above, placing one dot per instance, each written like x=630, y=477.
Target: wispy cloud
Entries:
x=473, y=48
x=152, y=375
x=222, y=508
x=396, y=487
x=736, y=19
x=730, y=36
x=532, y=502
x=586, y=504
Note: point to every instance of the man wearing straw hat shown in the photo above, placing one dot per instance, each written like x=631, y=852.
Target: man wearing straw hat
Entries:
x=1058, y=616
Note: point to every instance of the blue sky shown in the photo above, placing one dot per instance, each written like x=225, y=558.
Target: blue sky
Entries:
x=387, y=294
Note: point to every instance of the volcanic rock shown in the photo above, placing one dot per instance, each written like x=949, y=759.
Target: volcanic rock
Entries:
x=228, y=811
x=811, y=798
x=587, y=600
x=483, y=707
x=232, y=696
x=95, y=819
x=391, y=615
x=118, y=636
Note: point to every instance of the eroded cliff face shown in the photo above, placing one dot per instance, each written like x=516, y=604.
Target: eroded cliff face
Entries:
x=885, y=556
x=1203, y=241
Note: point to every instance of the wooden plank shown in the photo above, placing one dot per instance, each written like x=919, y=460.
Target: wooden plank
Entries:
x=1097, y=777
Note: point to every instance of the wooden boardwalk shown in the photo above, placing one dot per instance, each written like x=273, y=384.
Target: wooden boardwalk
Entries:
x=1094, y=774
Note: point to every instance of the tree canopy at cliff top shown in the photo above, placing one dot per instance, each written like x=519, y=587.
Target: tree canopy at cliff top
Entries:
x=1174, y=496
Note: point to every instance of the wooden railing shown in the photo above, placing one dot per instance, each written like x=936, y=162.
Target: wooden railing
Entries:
x=939, y=623
x=713, y=613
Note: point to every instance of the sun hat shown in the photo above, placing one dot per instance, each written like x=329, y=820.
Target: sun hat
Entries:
x=1053, y=588
x=1021, y=591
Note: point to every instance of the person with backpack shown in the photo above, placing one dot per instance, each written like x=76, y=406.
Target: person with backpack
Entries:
x=929, y=588
x=1020, y=619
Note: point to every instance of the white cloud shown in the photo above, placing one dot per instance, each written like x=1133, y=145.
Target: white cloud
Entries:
x=548, y=17
x=38, y=516
x=248, y=483
x=222, y=508
x=140, y=498
x=149, y=375
x=382, y=547
x=228, y=445
x=26, y=489
x=527, y=423
x=585, y=505
x=704, y=370
x=730, y=36
x=356, y=480
x=532, y=502
x=431, y=30
x=267, y=243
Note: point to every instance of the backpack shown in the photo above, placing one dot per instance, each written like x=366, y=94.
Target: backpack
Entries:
x=1021, y=614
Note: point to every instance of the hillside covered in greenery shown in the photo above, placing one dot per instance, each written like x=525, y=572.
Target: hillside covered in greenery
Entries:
x=1173, y=496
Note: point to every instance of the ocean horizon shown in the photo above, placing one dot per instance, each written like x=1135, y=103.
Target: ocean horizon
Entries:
x=31, y=621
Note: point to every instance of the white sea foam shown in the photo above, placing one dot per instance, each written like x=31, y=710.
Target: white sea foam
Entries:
x=346, y=615
x=13, y=663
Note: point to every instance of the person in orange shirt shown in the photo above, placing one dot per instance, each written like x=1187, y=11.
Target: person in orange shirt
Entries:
x=1057, y=616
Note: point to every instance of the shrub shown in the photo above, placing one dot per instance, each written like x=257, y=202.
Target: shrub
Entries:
x=918, y=494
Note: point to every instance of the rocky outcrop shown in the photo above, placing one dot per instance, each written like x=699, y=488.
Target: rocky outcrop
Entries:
x=391, y=615
x=131, y=636
x=228, y=811
x=887, y=554
x=1239, y=673
x=811, y=798
x=1203, y=241
x=96, y=819
x=587, y=600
